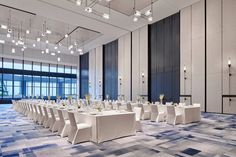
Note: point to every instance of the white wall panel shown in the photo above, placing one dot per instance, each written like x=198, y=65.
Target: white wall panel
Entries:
x=198, y=54
x=186, y=53
x=214, y=56
x=92, y=73
x=124, y=66
x=139, y=62
x=99, y=67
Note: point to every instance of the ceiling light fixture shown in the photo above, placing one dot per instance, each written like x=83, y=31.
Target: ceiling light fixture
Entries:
x=106, y=16
x=137, y=13
x=81, y=53
x=47, y=50
x=72, y=52
x=2, y=42
x=34, y=45
x=148, y=12
x=4, y=26
x=13, y=50
x=88, y=9
x=8, y=35
x=42, y=52
x=58, y=51
x=58, y=59
x=150, y=19
x=78, y=2
x=47, y=41
x=70, y=47
x=48, y=31
x=53, y=54
x=55, y=47
x=135, y=19
x=22, y=49
x=13, y=41
x=38, y=39
x=66, y=36
x=80, y=50
x=27, y=31
x=9, y=30
x=17, y=43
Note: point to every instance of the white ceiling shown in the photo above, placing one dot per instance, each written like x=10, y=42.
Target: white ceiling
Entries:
x=118, y=24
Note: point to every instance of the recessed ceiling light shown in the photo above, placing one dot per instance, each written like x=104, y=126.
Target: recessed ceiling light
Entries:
x=43, y=34
x=58, y=51
x=106, y=16
x=25, y=47
x=13, y=41
x=9, y=30
x=55, y=47
x=47, y=41
x=38, y=39
x=4, y=26
x=78, y=2
x=13, y=50
x=17, y=43
x=59, y=44
x=58, y=59
x=148, y=12
x=47, y=50
x=27, y=32
x=150, y=19
x=48, y=31
x=81, y=53
x=22, y=49
x=53, y=54
x=137, y=13
x=21, y=38
x=88, y=9
x=72, y=52
x=34, y=45
x=42, y=52
x=135, y=19
x=8, y=35
x=66, y=36
x=2, y=42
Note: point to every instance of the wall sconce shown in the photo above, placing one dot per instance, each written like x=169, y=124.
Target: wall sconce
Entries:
x=185, y=78
x=120, y=78
x=229, y=65
x=142, y=74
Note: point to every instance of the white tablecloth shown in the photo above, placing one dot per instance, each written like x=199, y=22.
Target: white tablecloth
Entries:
x=189, y=113
x=109, y=125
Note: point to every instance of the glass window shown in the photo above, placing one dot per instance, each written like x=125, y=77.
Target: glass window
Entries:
x=74, y=88
x=36, y=66
x=44, y=86
x=60, y=69
x=67, y=69
x=27, y=65
x=1, y=89
x=53, y=68
x=18, y=84
x=60, y=87
x=18, y=64
x=7, y=85
x=36, y=86
x=45, y=67
x=7, y=63
x=53, y=86
x=28, y=86
x=0, y=62
x=67, y=87
x=74, y=70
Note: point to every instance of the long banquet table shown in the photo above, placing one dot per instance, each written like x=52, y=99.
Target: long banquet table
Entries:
x=189, y=113
x=108, y=125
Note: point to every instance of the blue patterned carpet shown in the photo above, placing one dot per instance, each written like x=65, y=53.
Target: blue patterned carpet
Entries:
x=214, y=136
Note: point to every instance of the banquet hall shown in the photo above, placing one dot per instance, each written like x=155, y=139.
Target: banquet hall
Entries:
x=117, y=78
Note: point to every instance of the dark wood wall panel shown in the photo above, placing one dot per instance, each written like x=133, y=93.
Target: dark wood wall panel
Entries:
x=164, y=59
x=84, y=75
x=110, y=70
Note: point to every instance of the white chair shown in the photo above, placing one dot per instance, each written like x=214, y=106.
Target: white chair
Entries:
x=48, y=119
x=42, y=116
x=79, y=132
x=146, y=114
x=64, y=126
x=154, y=113
x=55, y=121
x=172, y=117
x=169, y=103
x=161, y=113
x=138, y=114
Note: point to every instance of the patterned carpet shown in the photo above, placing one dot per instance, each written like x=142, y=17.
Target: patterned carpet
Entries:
x=214, y=136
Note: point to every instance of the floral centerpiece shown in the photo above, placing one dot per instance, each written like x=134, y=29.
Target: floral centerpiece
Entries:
x=58, y=99
x=161, y=98
x=69, y=98
x=88, y=97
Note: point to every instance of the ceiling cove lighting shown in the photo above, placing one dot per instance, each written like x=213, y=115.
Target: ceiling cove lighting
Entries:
x=2, y=42
x=4, y=26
